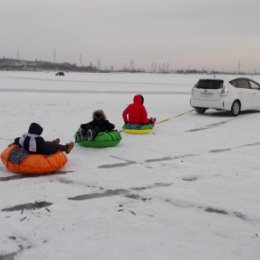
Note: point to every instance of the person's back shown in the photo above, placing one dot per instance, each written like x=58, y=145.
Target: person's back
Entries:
x=32, y=140
x=98, y=124
x=33, y=143
x=136, y=113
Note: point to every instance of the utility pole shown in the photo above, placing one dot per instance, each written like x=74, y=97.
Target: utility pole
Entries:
x=80, y=60
x=99, y=65
x=17, y=55
x=167, y=67
x=238, y=67
x=54, y=55
x=132, y=64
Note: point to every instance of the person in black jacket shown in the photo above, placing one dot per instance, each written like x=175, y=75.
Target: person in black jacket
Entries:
x=35, y=144
x=99, y=124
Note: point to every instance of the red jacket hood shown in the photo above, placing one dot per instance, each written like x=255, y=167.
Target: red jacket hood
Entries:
x=138, y=99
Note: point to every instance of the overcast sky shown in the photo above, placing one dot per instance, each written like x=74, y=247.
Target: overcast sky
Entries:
x=185, y=33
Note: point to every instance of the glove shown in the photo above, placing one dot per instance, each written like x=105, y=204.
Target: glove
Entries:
x=152, y=120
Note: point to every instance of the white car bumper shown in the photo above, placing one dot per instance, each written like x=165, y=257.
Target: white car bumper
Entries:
x=223, y=103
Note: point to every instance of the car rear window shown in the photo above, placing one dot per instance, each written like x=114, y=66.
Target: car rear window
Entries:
x=209, y=84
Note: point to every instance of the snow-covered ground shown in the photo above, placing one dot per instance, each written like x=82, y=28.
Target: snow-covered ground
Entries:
x=190, y=190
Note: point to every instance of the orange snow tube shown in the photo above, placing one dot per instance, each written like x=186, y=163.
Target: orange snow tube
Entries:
x=34, y=163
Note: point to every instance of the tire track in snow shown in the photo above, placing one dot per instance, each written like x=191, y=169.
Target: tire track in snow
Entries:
x=22, y=245
x=183, y=204
x=153, y=160
x=119, y=192
x=208, y=209
x=86, y=91
x=170, y=158
x=25, y=176
x=209, y=126
x=28, y=206
x=235, y=147
x=149, y=83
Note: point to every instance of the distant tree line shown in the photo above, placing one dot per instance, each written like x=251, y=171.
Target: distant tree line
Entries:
x=26, y=65
x=38, y=65
x=195, y=71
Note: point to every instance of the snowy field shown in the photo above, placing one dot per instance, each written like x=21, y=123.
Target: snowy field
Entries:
x=190, y=190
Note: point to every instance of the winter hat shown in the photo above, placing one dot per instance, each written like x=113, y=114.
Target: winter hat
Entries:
x=35, y=129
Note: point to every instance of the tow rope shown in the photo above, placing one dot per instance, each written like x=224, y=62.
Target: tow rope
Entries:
x=178, y=115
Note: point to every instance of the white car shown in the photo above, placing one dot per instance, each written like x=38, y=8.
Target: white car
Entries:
x=236, y=95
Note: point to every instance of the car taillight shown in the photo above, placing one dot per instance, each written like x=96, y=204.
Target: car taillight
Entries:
x=224, y=91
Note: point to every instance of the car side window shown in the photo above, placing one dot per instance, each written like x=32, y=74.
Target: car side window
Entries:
x=254, y=85
x=234, y=83
x=240, y=83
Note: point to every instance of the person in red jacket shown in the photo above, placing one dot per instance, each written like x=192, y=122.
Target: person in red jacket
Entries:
x=135, y=113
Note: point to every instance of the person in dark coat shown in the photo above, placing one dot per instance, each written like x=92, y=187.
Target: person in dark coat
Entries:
x=136, y=113
x=35, y=144
x=99, y=124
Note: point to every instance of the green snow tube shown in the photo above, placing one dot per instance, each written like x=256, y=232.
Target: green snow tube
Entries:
x=103, y=139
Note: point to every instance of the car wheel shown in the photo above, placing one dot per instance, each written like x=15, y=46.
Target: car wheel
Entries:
x=235, y=109
x=200, y=110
